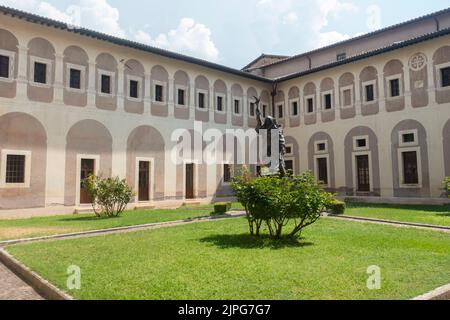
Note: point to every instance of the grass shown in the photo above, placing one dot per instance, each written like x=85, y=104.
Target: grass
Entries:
x=218, y=260
x=35, y=227
x=424, y=214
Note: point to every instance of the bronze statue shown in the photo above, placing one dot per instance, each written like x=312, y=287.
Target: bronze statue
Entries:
x=269, y=124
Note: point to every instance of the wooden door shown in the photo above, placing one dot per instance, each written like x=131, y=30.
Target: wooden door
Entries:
x=363, y=173
x=87, y=169
x=190, y=181
x=289, y=165
x=144, y=181
x=322, y=167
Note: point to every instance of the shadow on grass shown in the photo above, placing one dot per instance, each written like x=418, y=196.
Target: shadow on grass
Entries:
x=246, y=241
x=438, y=209
x=93, y=218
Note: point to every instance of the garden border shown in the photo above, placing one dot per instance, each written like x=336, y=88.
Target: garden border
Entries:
x=441, y=293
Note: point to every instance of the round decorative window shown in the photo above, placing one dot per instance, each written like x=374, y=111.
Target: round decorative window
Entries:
x=418, y=61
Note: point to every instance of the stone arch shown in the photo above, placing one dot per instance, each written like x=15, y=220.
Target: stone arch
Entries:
x=251, y=93
x=88, y=138
x=392, y=68
x=327, y=85
x=181, y=80
x=106, y=62
x=74, y=55
x=348, y=109
x=418, y=74
x=441, y=56
x=295, y=153
x=39, y=48
x=371, y=150
x=134, y=70
x=280, y=115
x=147, y=142
x=238, y=93
x=220, y=88
x=446, y=142
x=369, y=75
x=424, y=189
x=202, y=84
x=9, y=42
x=310, y=90
x=312, y=156
x=160, y=76
x=23, y=132
x=293, y=97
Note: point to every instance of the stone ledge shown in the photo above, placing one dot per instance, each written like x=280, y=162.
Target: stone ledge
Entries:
x=441, y=293
x=39, y=284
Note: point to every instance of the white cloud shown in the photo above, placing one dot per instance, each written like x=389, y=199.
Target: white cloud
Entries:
x=189, y=37
x=290, y=18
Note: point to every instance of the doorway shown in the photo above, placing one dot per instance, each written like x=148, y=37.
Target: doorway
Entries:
x=363, y=173
x=144, y=181
x=190, y=181
x=87, y=169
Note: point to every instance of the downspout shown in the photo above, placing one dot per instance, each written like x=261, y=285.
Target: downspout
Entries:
x=438, y=25
x=310, y=62
x=274, y=94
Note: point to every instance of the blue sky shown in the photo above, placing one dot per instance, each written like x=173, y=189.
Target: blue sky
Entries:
x=232, y=32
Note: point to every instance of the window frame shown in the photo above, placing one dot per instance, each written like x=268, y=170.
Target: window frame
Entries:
x=164, y=92
x=316, y=168
x=216, y=103
x=316, y=147
x=290, y=145
x=82, y=69
x=389, y=80
x=401, y=168
x=250, y=110
x=239, y=100
x=48, y=72
x=185, y=96
x=401, y=143
x=278, y=105
x=291, y=104
x=306, y=99
x=27, y=171
x=352, y=99
x=365, y=84
x=11, y=55
x=112, y=85
x=197, y=100
x=139, y=81
x=323, y=94
x=439, y=79
x=355, y=143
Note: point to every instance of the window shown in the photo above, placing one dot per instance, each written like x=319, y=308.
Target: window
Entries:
x=252, y=109
x=361, y=143
x=181, y=97
x=322, y=170
x=408, y=138
x=395, y=87
x=327, y=101
x=264, y=112
x=201, y=100
x=289, y=150
x=280, y=110
x=40, y=72
x=159, y=93
x=134, y=89
x=321, y=146
x=4, y=66
x=445, y=76
x=370, y=93
x=15, y=169
x=237, y=107
x=341, y=56
x=219, y=103
x=347, y=97
x=294, y=108
x=289, y=165
x=106, y=84
x=410, y=168
x=227, y=173
x=310, y=105
x=75, y=79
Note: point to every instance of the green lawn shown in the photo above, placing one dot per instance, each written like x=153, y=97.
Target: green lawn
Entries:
x=34, y=227
x=218, y=260
x=435, y=215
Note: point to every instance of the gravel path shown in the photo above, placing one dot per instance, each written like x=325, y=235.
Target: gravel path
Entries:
x=13, y=288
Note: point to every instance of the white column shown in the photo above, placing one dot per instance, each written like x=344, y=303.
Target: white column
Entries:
x=120, y=87
x=119, y=159
x=357, y=94
x=212, y=106
x=407, y=80
x=92, y=92
x=431, y=83
x=381, y=91
x=59, y=81
x=171, y=98
x=148, y=94
x=56, y=163
x=229, y=104
x=192, y=106
x=22, y=72
x=245, y=110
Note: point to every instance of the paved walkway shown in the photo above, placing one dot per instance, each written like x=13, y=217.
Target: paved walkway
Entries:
x=13, y=288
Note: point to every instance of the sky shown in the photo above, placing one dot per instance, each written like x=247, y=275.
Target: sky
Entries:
x=232, y=32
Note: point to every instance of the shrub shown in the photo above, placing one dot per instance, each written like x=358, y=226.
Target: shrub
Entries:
x=277, y=201
x=110, y=196
x=447, y=185
x=336, y=207
x=222, y=208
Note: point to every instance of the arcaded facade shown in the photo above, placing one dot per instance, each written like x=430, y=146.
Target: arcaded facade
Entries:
x=372, y=122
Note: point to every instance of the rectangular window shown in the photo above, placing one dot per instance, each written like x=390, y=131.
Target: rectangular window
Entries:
x=327, y=101
x=237, y=107
x=347, y=97
x=409, y=138
x=361, y=143
x=322, y=168
x=310, y=105
x=134, y=89
x=280, y=112
x=220, y=103
x=264, y=112
x=40, y=72
x=75, y=79
x=295, y=108
x=321, y=147
x=341, y=56
x=226, y=173
x=252, y=109
x=4, y=66
x=201, y=100
x=159, y=93
x=106, y=84
x=181, y=97
x=395, y=87
x=15, y=168
x=410, y=168
x=370, y=93
x=445, y=76
x=288, y=150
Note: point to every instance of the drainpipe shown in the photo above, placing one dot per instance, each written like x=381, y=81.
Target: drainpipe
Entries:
x=274, y=94
x=438, y=25
x=310, y=62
